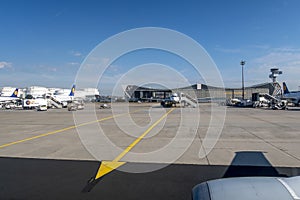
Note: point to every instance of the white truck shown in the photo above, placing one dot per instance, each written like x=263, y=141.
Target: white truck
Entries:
x=34, y=103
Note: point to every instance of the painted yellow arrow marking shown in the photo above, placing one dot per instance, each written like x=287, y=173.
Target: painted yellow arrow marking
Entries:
x=108, y=166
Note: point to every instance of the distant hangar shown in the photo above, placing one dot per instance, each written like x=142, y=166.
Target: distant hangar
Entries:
x=197, y=91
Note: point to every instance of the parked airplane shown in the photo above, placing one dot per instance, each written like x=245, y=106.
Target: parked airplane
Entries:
x=170, y=101
x=179, y=99
x=240, y=102
x=292, y=97
x=63, y=98
x=12, y=98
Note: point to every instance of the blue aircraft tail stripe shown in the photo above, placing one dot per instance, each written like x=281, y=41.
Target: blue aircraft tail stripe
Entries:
x=72, y=91
x=285, y=88
x=15, y=93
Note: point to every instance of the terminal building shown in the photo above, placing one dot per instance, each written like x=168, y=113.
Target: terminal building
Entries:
x=134, y=93
x=197, y=91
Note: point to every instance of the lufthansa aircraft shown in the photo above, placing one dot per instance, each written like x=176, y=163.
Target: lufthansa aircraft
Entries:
x=11, y=98
x=293, y=97
x=64, y=98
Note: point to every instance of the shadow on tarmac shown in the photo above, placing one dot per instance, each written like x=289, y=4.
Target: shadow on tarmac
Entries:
x=251, y=163
x=22, y=178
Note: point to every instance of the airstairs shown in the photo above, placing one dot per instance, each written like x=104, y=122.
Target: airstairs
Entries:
x=275, y=98
x=52, y=102
x=186, y=100
x=275, y=101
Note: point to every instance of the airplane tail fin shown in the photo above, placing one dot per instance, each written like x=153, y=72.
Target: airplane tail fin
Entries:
x=72, y=91
x=285, y=88
x=15, y=93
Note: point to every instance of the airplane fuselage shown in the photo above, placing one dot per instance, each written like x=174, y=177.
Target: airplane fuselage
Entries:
x=293, y=97
x=8, y=99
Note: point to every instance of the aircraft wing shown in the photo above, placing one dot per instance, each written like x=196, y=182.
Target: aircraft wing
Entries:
x=249, y=188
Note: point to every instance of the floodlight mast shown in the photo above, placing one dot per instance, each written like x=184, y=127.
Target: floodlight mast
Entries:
x=243, y=87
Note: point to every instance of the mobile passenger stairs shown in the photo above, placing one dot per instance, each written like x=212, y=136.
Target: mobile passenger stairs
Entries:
x=186, y=100
x=53, y=103
x=273, y=101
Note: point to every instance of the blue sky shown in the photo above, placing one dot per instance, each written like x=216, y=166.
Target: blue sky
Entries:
x=44, y=42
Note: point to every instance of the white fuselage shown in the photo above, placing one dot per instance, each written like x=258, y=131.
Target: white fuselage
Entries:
x=63, y=98
x=175, y=98
x=8, y=99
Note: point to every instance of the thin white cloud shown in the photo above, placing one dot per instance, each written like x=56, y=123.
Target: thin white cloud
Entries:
x=58, y=14
x=73, y=63
x=4, y=64
x=287, y=49
x=257, y=70
x=76, y=53
x=281, y=57
x=52, y=69
x=286, y=59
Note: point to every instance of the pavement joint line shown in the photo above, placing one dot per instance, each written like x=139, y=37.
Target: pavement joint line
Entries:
x=272, y=145
x=65, y=129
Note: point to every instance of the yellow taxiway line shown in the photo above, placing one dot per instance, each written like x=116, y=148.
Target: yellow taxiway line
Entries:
x=61, y=130
x=108, y=166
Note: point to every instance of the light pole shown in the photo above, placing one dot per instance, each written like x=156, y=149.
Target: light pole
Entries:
x=243, y=88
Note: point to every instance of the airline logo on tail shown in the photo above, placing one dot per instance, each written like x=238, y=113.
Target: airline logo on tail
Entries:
x=72, y=91
x=15, y=93
x=285, y=89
